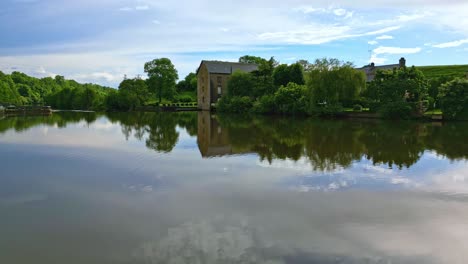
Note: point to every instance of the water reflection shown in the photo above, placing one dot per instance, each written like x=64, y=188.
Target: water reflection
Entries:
x=328, y=145
x=200, y=188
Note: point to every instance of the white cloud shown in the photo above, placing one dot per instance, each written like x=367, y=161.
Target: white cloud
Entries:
x=396, y=50
x=451, y=44
x=156, y=22
x=136, y=8
x=142, y=7
x=372, y=42
x=384, y=37
x=126, y=9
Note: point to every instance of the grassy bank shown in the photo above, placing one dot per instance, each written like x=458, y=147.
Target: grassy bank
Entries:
x=452, y=71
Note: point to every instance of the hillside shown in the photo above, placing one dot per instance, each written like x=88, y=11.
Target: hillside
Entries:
x=444, y=70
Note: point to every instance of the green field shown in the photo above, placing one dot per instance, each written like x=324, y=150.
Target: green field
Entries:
x=444, y=70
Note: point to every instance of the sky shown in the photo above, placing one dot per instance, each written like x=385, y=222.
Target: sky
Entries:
x=101, y=41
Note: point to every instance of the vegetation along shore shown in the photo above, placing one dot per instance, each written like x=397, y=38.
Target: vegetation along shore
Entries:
x=325, y=87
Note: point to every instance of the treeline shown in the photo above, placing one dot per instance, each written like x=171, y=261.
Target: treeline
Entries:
x=161, y=86
x=20, y=89
x=330, y=86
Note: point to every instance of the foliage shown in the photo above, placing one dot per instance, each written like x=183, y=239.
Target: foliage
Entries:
x=296, y=74
x=21, y=89
x=332, y=83
x=396, y=110
x=454, y=99
x=240, y=84
x=162, y=77
x=284, y=74
x=8, y=90
x=188, y=84
x=265, y=104
x=133, y=93
x=291, y=99
x=357, y=108
x=263, y=78
x=281, y=75
x=398, y=85
x=235, y=104
x=251, y=59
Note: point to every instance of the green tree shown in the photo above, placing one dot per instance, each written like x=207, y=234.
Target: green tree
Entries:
x=281, y=75
x=454, y=99
x=135, y=91
x=332, y=83
x=296, y=74
x=291, y=99
x=162, y=77
x=240, y=84
x=251, y=59
x=188, y=84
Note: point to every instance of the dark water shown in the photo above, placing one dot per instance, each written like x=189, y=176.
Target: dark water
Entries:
x=195, y=188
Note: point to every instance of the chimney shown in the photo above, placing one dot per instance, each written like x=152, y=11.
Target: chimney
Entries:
x=402, y=63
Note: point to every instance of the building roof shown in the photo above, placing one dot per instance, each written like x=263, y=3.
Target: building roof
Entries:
x=370, y=68
x=225, y=67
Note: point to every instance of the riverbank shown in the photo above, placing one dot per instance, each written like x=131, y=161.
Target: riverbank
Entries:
x=27, y=110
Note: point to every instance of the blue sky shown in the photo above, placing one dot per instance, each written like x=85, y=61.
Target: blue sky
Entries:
x=101, y=41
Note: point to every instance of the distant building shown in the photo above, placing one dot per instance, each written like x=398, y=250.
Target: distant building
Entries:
x=213, y=77
x=370, y=70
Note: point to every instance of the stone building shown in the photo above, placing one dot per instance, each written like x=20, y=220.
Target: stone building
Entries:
x=370, y=70
x=212, y=80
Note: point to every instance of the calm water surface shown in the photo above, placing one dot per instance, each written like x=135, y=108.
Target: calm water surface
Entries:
x=195, y=188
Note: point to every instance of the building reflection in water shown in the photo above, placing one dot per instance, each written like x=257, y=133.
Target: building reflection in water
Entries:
x=213, y=140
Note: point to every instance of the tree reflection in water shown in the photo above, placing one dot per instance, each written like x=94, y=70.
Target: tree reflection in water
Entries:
x=326, y=144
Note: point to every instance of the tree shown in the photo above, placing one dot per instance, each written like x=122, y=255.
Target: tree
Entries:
x=296, y=74
x=162, y=77
x=264, y=78
x=251, y=59
x=281, y=75
x=404, y=84
x=240, y=84
x=291, y=99
x=189, y=83
x=135, y=89
x=332, y=82
x=454, y=99
x=306, y=65
x=285, y=74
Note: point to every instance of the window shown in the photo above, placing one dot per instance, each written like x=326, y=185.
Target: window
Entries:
x=219, y=80
x=219, y=90
x=203, y=99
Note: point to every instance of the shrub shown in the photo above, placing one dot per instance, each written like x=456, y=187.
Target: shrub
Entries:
x=396, y=110
x=453, y=98
x=266, y=104
x=235, y=104
x=184, y=99
x=357, y=108
x=291, y=99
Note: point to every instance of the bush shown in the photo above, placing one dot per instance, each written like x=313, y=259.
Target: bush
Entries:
x=264, y=105
x=235, y=104
x=291, y=99
x=453, y=98
x=396, y=110
x=184, y=99
x=357, y=108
